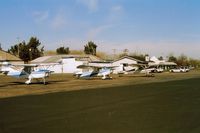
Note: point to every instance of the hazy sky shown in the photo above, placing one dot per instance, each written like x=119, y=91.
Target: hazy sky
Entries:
x=156, y=27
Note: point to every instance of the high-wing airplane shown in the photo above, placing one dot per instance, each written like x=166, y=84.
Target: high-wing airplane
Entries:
x=89, y=71
x=127, y=69
x=27, y=71
x=134, y=68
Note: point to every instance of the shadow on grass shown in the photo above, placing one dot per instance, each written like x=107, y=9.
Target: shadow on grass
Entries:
x=33, y=83
x=171, y=107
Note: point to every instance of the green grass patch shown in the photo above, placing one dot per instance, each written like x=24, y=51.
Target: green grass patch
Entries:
x=168, y=107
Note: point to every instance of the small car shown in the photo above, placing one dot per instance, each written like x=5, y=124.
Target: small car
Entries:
x=178, y=70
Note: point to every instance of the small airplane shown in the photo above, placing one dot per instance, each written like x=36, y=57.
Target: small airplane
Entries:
x=89, y=71
x=127, y=69
x=27, y=71
x=134, y=68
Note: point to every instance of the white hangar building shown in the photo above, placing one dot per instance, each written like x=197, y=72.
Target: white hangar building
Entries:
x=68, y=63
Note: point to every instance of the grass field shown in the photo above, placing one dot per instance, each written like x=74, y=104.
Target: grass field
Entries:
x=167, y=103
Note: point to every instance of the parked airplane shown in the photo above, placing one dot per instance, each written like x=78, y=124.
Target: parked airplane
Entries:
x=89, y=71
x=136, y=68
x=28, y=71
x=127, y=69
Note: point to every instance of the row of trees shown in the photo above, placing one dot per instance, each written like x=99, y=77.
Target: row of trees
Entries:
x=32, y=49
x=89, y=48
x=62, y=50
x=28, y=51
x=183, y=60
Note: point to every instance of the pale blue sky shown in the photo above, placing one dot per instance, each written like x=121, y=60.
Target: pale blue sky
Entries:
x=156, y=27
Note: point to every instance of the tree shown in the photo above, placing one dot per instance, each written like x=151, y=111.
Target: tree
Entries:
x=160, y=58
x=125, y=51
x=182, y=60
x=62, y=50
x=24, y=53
x=29, y=51
x=194, y=63
x=172, y=59
x=90, y=48
x=33, y=48
x=14, y=50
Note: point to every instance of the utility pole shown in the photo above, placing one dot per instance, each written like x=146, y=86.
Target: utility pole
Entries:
x=0, y=47
x=114, y=53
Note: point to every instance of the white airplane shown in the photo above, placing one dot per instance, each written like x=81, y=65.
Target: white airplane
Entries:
x=134, y=68
x=89, y=71
x=28, y=71
x=127, y=69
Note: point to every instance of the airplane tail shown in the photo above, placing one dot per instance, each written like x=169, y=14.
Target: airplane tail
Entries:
x=9, y=70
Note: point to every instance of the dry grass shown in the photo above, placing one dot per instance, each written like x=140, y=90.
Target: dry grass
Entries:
x=10, y=87
x=165, y=107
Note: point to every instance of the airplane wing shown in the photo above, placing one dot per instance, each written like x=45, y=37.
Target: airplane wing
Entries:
x=35, y=65
x=140, y=65
x=47, y=64
x=25, y=65
x=86, y=66
x=29, y=67
x=94, y=66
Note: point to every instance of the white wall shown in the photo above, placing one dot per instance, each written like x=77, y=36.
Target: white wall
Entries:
x=68, y=66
